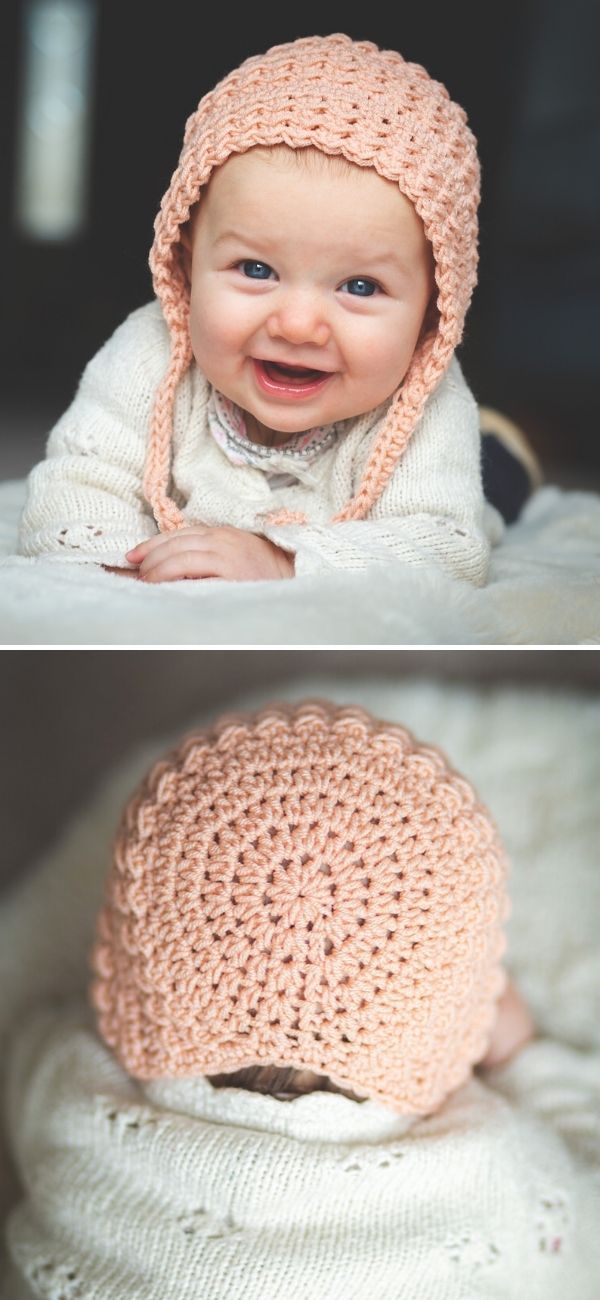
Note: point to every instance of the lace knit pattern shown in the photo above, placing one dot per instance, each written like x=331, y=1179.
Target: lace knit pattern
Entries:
x=377, y=110
x=304, y=886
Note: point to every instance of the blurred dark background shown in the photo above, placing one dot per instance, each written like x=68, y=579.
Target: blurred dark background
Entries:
x=526, y=73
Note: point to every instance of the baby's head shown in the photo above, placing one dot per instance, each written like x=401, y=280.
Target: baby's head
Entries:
x=304, y=259
x=347, y=183
x=304, y=888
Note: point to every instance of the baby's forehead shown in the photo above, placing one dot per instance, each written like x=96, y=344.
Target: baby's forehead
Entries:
x=265, y=175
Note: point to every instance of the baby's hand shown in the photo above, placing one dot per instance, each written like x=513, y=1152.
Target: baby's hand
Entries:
x=203, y=552
x=513, y=1029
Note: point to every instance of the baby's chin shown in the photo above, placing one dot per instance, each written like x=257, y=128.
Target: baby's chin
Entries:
x=268, y=435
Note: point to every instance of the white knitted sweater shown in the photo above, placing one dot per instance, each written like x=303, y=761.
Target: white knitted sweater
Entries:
x=85, y=500
x=175, y=1190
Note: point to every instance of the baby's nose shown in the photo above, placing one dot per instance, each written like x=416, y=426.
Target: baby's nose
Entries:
x=299, y=319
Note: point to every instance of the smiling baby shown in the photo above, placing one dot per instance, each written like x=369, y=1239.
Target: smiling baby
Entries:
x=291, y=402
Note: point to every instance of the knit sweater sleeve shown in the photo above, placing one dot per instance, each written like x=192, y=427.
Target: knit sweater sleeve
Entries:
x=561, y=1085
x=84, y=501
x=432, y=510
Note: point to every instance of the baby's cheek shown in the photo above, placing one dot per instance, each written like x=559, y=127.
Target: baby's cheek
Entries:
x=385, y=356
x=200, y=330
x=218, y=341
x=220, y=318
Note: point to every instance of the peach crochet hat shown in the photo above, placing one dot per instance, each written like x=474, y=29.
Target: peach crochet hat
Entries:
x=304, y=886
x=377, y=110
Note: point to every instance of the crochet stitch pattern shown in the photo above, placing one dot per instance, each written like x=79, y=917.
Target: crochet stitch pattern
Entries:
x=377, y=110
x=306, y=886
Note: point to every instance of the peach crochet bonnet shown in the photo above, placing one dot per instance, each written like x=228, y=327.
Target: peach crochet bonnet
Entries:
x=377, y=110
x=304, y=886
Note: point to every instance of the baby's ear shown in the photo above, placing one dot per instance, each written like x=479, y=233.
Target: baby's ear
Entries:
x=431, y=318
x=185, y=240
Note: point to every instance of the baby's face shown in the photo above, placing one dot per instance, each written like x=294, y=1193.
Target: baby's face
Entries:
x=317, y=270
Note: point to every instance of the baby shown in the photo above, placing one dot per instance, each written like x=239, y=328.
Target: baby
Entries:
x=292, y=401
x=301, y=900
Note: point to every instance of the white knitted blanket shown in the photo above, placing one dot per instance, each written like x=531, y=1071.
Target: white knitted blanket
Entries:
x=543, y=588
x=176, y=1191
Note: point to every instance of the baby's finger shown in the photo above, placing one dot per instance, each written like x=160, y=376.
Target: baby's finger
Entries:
x=172, y=545
x=184, y=564
x=161, y=539
x=137, y=552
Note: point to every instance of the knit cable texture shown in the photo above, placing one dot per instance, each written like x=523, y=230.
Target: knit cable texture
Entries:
x=377, y=110
x=304, y=886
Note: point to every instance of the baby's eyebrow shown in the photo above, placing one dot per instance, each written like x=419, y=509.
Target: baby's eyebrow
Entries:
x=233, y=234
x=391, y=258
x=388, y=259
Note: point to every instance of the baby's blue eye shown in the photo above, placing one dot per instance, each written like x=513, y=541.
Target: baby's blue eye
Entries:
x=262, y=267
x=366, y=289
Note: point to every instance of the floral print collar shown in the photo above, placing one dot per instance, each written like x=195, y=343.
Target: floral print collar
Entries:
x=290, y=460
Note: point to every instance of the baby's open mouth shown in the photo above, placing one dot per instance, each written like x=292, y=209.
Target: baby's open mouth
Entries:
x=298, y=373
x=289, y=382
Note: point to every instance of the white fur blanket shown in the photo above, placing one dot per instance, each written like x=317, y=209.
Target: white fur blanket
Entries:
x=534, y=757
x=543, y=589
